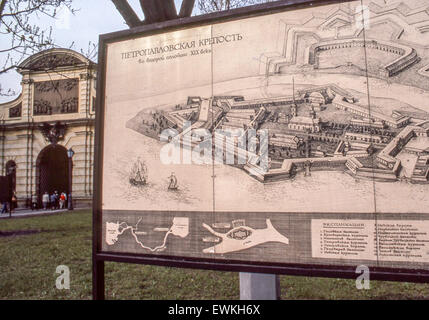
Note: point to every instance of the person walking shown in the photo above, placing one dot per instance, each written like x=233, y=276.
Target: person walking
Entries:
x=52, y=200
x=4, y=207
x=14, y=203
x=57, y=200
x=45, y=200
x=34, y=202
x=66, y=200
x=62, y=200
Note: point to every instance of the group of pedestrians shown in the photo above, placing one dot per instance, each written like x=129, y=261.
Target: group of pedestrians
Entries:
x=52, y=201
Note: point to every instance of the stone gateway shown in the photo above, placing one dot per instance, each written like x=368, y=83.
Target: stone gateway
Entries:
x=54, y=113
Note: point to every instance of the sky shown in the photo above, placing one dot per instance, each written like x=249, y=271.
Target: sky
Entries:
x=94, y=17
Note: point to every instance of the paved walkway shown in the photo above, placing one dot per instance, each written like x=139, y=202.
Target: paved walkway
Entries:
x=22, y=213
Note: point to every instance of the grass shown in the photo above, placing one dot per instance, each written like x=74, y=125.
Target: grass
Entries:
x=28, y=264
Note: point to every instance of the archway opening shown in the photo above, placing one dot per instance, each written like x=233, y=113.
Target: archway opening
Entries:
x=52, y=170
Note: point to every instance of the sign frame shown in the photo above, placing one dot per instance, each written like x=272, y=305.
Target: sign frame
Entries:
x=99, y=257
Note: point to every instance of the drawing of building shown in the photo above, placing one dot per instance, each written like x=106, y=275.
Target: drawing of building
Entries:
x=284, y=141
x=363, y=137
x=304, y=124
x=394, y=121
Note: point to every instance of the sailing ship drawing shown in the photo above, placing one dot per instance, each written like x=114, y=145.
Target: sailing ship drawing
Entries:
x=138, y=174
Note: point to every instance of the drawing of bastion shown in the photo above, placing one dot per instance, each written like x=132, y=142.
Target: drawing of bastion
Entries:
x=334, y=42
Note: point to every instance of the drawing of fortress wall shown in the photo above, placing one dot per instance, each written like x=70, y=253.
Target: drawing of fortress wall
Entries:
x=357, y=169
x=327, y=39
x=291, y=166
x=390, y=166
x=408, y=56
x=287, y=48
x=387, y=156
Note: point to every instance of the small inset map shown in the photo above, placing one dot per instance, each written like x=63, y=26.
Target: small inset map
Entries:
x=241, y=237
x=179, y=228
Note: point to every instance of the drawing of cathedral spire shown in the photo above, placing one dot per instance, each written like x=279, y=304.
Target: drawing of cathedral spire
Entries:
x=294, y=108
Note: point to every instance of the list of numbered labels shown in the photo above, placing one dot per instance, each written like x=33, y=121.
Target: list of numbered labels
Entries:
x=383, y=240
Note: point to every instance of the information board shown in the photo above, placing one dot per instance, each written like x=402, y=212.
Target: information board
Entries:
x=282, y=138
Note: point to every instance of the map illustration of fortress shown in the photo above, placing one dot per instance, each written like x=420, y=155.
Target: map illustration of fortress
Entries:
x=355, y=99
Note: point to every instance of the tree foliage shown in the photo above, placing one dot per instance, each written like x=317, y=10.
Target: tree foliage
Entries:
x=20, y=32
x=207, y=6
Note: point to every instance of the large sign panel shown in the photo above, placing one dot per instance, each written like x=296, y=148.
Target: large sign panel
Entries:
x=291, y=136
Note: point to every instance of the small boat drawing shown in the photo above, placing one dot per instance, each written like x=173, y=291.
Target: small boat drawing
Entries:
x=172, y=182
